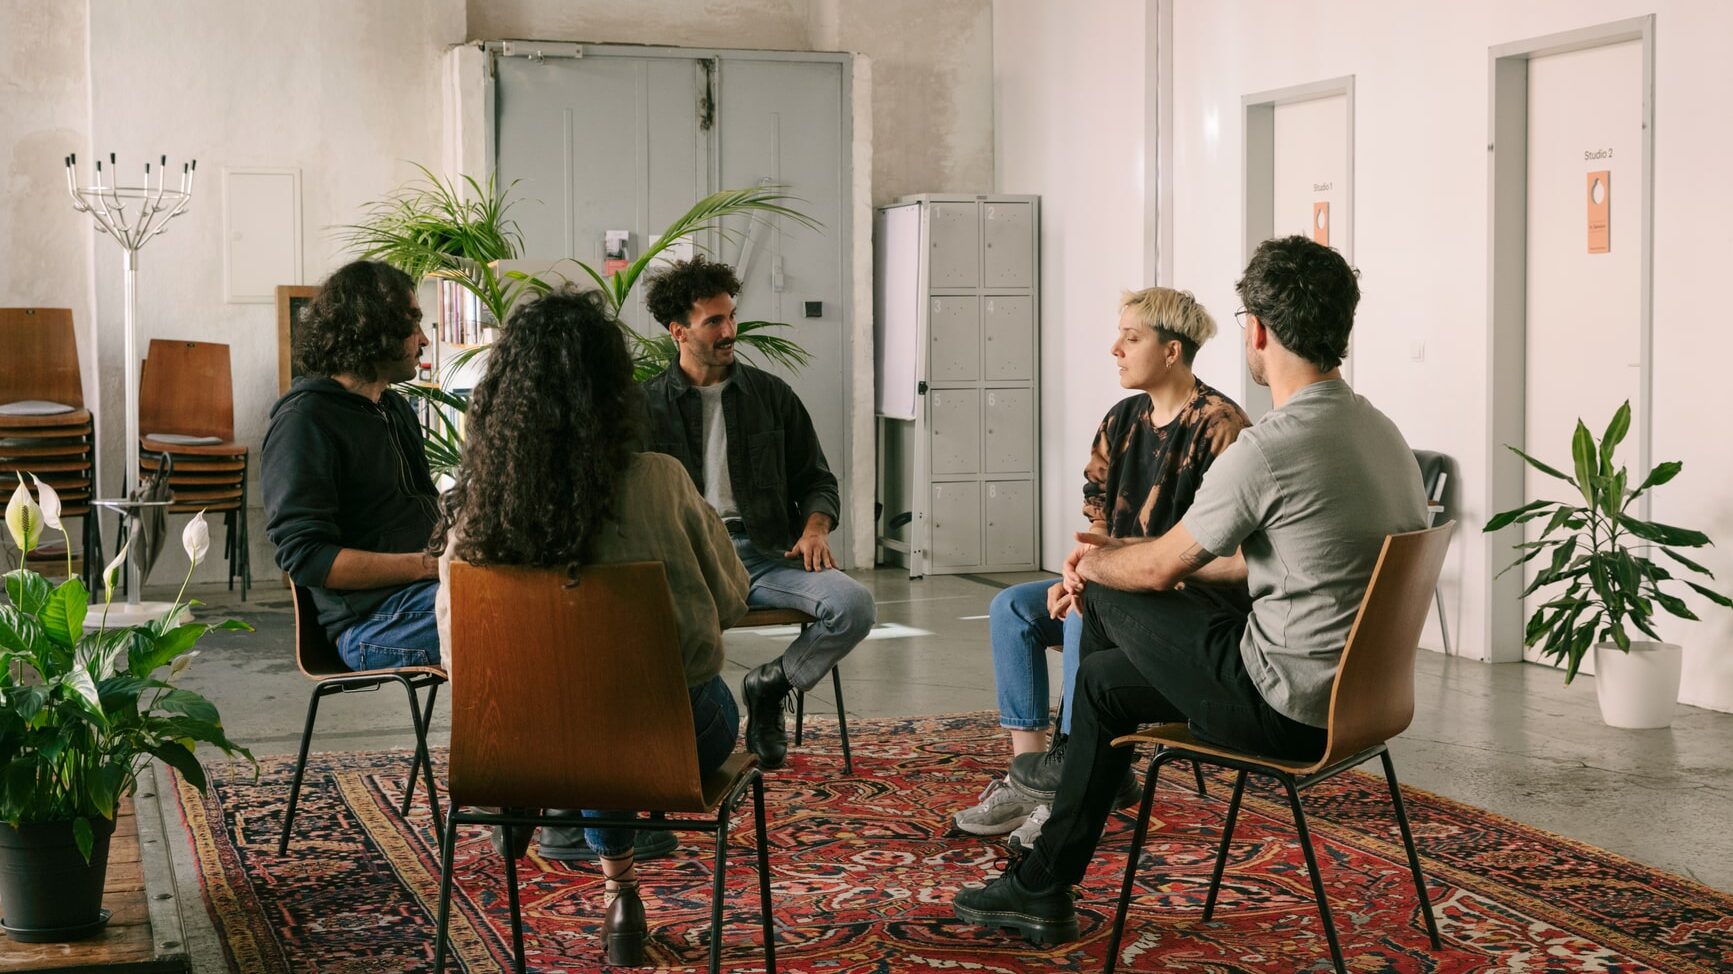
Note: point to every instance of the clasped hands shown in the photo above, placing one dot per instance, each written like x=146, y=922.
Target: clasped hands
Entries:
x=1066, y=595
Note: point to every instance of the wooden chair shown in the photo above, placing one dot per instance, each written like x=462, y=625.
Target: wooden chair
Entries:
x=318, y=659
x=753, y=619
x=185, y=390
x=589, y=674
x=1371, y=701
x=41, y=363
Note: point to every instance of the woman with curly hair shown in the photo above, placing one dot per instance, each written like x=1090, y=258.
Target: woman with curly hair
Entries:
x=560, y=374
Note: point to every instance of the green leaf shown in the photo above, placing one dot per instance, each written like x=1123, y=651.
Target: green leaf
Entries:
x=1660, y=475
x=27, y=590
x=79, y=682
x=1688, y=563
x=1510, y=517
x=20, y=633
x=1664, y=534
x=191, y=704
x=1616, y=430
x=1543, y=468
x=63, y=614
x=1711, y=595
x=176, y=755
x=83, y=836
x=1583, y=455
x=1620, y=639
x=1675, y=605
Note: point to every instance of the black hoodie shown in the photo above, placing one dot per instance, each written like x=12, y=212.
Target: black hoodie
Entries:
x=341, y=471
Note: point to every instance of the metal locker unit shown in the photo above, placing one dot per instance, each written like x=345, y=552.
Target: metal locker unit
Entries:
x=959, y=382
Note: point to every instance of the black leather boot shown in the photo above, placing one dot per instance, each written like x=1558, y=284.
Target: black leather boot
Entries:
x=513, y=840
x=765, y=688
x=625, y=928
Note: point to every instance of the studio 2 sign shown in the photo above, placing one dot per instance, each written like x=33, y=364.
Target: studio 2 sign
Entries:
x=1599, y=190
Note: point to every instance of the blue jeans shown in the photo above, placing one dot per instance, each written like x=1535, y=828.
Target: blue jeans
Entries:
x=1021, y=631
x=716, y=721
x=843, y=607
x=400, y=632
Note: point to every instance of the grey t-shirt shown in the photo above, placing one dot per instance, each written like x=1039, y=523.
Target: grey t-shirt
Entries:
x=1308, y=494
x=718, y=490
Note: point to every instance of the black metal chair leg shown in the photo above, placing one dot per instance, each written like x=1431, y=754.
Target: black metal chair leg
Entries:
x=415, y=763
x=1137, y=836
x=1317, y=878
x=716, y=891
x=300, y=769
x=1215, y=880
x=517, y=917
x=1197, y=773
x=767, y=918
x=842, y=720
x=799, y=713
x=446, y=861
x=421, y=758
x=229, y=529
x=1413, y=856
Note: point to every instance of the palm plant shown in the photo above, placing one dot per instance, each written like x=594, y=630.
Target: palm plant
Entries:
x=455, y=231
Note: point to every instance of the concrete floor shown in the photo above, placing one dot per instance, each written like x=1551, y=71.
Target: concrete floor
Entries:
x=1509, y=738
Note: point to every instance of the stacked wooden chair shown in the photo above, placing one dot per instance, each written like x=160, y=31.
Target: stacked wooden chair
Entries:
x=186, y=421
x=45, y=429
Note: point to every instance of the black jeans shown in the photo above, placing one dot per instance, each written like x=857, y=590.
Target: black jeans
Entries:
x=1153, y=657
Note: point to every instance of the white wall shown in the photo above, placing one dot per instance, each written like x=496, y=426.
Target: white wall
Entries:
x=1421, y=237
x=1070, y=104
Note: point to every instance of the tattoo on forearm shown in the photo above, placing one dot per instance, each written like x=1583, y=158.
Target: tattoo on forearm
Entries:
x=1196, y=557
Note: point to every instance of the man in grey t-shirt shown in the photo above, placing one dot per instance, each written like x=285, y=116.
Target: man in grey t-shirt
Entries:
x=1296, y=510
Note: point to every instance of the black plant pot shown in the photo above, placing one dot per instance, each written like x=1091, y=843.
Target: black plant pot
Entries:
x=48, y=893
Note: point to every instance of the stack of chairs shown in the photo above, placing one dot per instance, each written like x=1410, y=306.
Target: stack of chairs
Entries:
x=186, y=422
x=45, y=430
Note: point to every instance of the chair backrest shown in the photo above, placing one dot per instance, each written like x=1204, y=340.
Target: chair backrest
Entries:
x=185, y=388
x=315, y=654
x=41, y=360
x=569, y=696
x=1373, y=696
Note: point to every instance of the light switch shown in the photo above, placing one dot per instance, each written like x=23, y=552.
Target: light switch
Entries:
x=1417, y=352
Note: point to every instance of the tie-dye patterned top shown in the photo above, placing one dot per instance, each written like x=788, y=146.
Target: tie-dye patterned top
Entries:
x=1141, y=477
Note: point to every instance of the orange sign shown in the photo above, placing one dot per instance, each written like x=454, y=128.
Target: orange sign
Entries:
x=1600, y=199
x=1321, y=222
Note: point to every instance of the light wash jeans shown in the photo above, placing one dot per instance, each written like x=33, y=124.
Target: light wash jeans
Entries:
x=843, y=607
x=401, y=632
x=716, y=722
x=1021, y=631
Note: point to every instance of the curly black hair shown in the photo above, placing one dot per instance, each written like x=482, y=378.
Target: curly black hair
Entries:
x=1305, y=293
x=361, y=316
x=550, y=428
x=674, y=291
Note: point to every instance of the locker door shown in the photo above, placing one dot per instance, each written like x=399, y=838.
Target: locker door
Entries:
x=954, y=417
x=955, y=323
x=954, y=234
x=956, y=524
x=1009, y=509
x=1008, y=338
x=1009, y=252
x=1008, y=440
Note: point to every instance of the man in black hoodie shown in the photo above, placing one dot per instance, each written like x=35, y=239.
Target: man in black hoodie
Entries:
x=349, y=502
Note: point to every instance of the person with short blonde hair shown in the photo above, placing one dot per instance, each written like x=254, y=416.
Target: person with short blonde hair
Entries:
x=1147, y=462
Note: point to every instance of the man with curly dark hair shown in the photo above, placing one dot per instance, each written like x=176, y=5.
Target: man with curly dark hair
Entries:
x=749, y=446
x=1297, y=509
x=349, y=502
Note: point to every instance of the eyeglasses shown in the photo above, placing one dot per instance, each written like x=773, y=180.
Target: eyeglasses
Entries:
x=1240, y=316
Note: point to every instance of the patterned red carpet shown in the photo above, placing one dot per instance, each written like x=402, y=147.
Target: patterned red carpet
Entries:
x=864, y=878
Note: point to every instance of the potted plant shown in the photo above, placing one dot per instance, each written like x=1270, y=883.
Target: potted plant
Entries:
x=1600, y=553
x=81, y=711
x=446, y=230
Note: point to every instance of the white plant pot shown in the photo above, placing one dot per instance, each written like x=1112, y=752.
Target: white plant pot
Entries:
x=1638, y=689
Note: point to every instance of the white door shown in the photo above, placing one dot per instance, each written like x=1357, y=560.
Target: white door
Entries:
x=1583, y=341
x=1310, y=192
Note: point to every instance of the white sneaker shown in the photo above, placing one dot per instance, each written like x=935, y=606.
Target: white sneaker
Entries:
x=1023, y=839
x=1002, y=809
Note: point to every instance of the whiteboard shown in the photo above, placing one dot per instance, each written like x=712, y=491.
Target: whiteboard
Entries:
x=897, y=301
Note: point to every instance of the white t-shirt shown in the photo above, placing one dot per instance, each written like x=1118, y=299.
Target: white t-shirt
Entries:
x=718, y=491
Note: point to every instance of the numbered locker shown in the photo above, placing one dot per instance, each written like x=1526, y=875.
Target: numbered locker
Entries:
x=956, y=524
x=1008, y=338
x=955, y=324
x=954, y=419
x=1007, y=230
x=1009, y=510
x=954, y=248
x=1008, y=440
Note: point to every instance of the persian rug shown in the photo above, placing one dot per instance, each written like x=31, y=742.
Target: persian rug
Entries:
x=864, y=873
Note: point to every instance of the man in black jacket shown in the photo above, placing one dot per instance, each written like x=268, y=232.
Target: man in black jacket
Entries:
x=750, y=448
x=349, y=502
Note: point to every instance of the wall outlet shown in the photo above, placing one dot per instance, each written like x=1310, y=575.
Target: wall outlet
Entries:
x=1417, y=351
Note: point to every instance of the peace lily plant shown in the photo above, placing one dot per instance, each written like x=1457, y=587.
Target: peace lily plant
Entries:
x=82, y=710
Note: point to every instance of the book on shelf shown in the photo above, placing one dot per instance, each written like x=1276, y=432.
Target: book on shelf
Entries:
x=463, y=320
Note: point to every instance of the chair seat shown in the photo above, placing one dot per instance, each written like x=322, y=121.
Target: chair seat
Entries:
x=26, y=465
x=226, y=449
x=1178, y=737
x=151, y=464
x=78, y=431
x=77, y=448
x=772, y=617
x=718, y=783
x=76, y=417
x=322, y=668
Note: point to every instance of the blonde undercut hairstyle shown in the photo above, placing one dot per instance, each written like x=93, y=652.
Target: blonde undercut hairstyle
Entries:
x=1173, y=316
